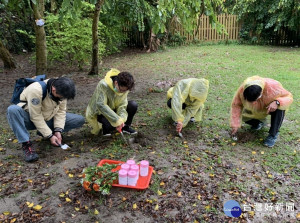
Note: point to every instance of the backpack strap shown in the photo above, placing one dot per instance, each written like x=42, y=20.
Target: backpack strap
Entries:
x=44, y=88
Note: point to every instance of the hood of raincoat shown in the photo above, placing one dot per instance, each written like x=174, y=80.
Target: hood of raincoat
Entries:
x=199, y=89
x=113, y=72
x=254, y=80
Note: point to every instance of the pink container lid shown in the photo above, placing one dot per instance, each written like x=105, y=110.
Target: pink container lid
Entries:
x=132, y=173
x=134, y=167
x=130, y=162
x=125, y=166
x=123, y=173
x=144, y=163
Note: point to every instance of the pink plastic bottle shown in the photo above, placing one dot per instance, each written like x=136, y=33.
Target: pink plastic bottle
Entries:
x=144, y=167
x=125, y=166
x=130, y=162
x=135, y=168
x=132, y=177
x=123, y=179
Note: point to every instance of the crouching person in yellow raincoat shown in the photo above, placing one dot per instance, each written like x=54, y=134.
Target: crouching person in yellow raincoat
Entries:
x=186, y=99
x=109, y=108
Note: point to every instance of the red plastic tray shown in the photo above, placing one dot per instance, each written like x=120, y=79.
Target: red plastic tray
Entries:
x=142, y=183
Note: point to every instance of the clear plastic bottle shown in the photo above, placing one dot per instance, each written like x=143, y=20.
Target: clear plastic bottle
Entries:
x=123, y=177
x=144, y=168
x=135, y=168
x=132, y=177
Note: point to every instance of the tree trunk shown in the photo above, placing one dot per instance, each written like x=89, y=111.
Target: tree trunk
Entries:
x=6, y=57
x=95, y=59
x=40, y=35
x=154, y=42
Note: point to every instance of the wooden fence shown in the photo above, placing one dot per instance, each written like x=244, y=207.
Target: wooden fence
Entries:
x=205, y=32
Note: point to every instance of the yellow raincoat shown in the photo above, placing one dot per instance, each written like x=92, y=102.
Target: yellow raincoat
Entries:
x=193, y=92
x=111, y=104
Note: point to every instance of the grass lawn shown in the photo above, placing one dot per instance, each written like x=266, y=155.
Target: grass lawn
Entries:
x=194, y=176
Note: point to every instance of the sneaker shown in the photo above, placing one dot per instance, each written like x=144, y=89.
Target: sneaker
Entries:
x=106, y=133
x=270, y=140
x=192, y=120
x=29, y=153
x=129, y=130
x=257, y=127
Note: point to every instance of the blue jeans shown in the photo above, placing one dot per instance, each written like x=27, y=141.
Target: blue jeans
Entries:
x=19, y=121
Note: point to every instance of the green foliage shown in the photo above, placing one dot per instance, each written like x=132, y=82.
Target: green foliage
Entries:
x=71, y=41
x=176, y=40
x=263, y=18
x=16, y=28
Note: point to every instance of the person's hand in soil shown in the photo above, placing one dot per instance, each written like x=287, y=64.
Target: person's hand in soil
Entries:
x=119, y=128
x=179, y=126
x=55, y=141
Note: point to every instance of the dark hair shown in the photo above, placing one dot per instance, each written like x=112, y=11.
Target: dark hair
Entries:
x=65, y=87
x=252, y=92
x=125, y=79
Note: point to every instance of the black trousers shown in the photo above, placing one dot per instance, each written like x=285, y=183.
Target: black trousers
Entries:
x=131, y=110
x=276, y=121
x=169, y=104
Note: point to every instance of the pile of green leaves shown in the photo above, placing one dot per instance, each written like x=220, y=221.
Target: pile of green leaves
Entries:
x=99, y=178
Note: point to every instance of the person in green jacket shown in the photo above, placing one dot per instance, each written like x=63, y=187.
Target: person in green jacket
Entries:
x=186, y=99
x=109, y=108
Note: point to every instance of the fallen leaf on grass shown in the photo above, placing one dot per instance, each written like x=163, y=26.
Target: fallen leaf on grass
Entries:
x=13, y=220
x=159, y=193
x=179, y=194
x=251, y=213
x=207, y=207
x=6, y=213
x=37, y=207
x=15, y=141
x=77, y=209
x=298, y=216
x=262, y=152
x=124, y=198
x=270, y=176
x=162, y=183
x=61, y=195
x=199, y=197
x=68, y=199
x=134, y=206
x=71, y=175
x=156, y=207
x=29, y=180
x=253, y=152
x=160, y=172
x=30, y=205
x=96, y=212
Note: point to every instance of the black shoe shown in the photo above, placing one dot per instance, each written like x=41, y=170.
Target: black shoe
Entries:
x=106, y=133
x=29, y=153
x=129, y=130
x=257, y=127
